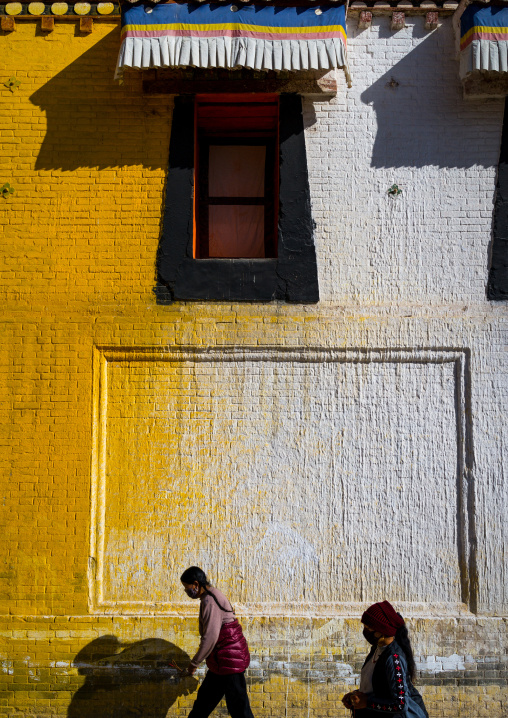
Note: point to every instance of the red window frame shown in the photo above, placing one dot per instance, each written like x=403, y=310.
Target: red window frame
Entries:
x=243, y=119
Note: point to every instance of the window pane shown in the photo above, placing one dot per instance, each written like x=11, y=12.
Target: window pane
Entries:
x=236, y=171
x=236, y=231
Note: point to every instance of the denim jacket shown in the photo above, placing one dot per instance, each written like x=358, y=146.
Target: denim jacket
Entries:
x=392, y=690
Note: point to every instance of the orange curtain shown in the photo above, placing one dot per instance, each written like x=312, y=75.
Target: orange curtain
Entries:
x=236, y=230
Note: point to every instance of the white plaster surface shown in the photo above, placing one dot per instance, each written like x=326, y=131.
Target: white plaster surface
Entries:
x=404, y=121
x=413, y=269
x=317, y=467
x=441, y=664
x=293, y=481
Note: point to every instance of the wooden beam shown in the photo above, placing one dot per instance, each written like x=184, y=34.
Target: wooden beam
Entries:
x=47, y=23
x=398, y=21
x=86, y=24
x=175, y=82
x=8, y=23
x=364, y=20
x=431, y=20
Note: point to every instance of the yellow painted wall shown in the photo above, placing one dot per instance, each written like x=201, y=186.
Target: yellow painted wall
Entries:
x=87, y=160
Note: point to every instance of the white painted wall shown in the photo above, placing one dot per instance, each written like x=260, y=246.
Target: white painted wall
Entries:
x=379, y=473
x=307, y=478
x=430, y=245
x=414, y=269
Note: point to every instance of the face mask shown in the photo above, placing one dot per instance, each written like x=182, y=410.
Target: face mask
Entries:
x=192, y=592
x=370, y=636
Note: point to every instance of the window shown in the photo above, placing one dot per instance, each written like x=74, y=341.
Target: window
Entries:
x=237, y=222
x=236, y=199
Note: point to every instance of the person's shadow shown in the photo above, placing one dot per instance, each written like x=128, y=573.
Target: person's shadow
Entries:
x=123, y=682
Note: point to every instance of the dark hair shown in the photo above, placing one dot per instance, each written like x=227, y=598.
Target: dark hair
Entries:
x=402, y=638
x=192, y=574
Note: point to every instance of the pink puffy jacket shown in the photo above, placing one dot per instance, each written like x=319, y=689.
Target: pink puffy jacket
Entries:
x=231, y=652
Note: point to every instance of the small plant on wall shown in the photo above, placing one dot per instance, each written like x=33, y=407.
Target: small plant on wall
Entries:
x=394, y=190
x=12, y=84
x=6, y=190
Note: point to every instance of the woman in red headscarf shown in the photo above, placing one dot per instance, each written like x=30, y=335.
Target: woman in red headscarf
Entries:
x=386, y=682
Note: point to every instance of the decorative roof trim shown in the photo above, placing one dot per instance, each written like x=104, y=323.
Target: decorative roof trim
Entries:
x=384, y=7
x=102, y=10
x=481, y=36
x=257, y=37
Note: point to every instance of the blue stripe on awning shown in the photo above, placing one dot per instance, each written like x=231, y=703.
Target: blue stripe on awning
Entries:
x=481, y=16
x=484, y=39
x=219, y=17
x=258, y=37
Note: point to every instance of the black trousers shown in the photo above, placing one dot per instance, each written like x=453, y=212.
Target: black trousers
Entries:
x=214, y=688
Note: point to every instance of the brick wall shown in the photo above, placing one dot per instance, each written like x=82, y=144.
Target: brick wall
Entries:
x=398, y=277
x=84, y=666
x=403, y=122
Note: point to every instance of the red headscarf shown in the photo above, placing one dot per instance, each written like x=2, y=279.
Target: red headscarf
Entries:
x=383, y=618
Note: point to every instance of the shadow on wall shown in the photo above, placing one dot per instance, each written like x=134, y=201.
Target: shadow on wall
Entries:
x=92, y=121
x=422, y=118
x=135, y=681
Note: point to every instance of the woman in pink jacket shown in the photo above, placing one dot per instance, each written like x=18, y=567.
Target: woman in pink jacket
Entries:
x=222, y=645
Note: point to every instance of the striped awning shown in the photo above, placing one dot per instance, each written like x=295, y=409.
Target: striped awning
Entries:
x=484, y=39
x=212, y=35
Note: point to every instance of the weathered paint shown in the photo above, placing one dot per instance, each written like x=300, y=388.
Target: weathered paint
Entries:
x=117, y=664
x=262, y=453
x=398, y=379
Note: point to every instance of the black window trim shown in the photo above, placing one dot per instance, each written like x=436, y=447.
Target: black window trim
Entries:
x=291, y=277
x=497, y=284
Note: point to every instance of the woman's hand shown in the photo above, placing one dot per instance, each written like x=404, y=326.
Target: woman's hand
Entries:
x=358, y=700
x=347, y=700
x=183, y=672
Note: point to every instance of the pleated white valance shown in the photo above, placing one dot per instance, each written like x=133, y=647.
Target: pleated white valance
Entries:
x=484, y=39
x=230, y=36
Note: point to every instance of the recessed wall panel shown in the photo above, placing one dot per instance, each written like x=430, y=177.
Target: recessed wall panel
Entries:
x=292, y=478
